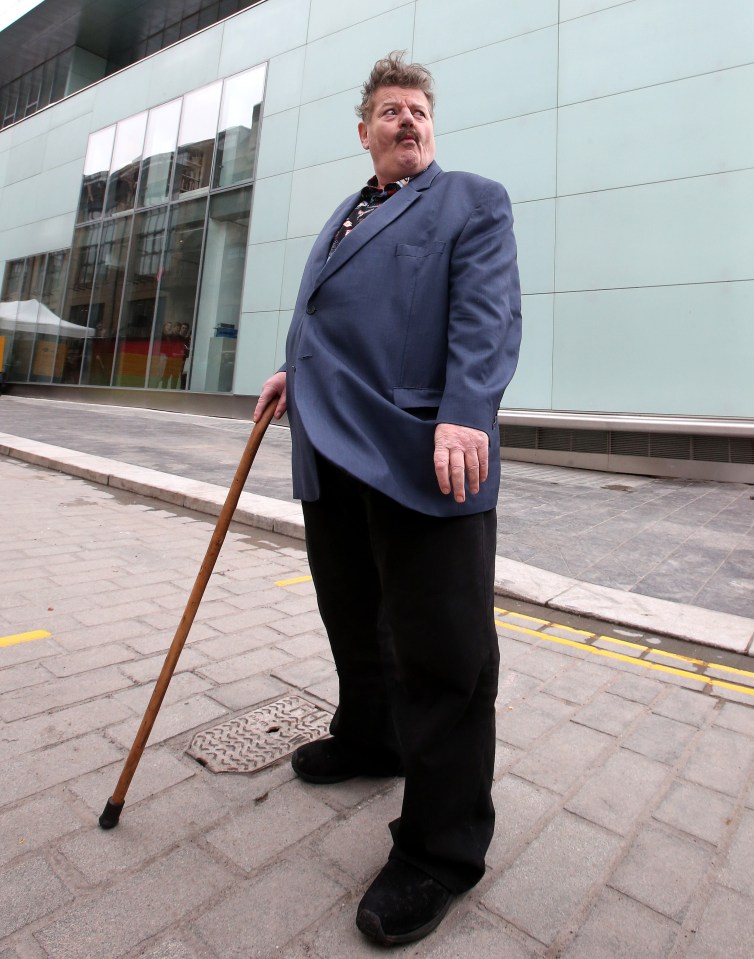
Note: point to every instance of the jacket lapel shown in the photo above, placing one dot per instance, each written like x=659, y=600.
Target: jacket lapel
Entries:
x=364, y=232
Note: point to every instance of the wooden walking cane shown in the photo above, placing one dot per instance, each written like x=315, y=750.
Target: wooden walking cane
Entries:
x=111, y=815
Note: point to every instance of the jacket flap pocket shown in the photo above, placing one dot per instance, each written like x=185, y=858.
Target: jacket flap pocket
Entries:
x=410, y=399
x=406, y=249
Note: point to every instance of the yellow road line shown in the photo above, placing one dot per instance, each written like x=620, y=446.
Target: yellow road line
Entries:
x=659, y=667
x=292, y=582
x=23, y=637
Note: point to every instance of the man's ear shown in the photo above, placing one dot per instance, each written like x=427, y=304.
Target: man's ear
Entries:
x=363, y=136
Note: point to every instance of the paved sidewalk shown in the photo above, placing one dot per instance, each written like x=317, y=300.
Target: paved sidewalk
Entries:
x=624, y=788
x=672, y=556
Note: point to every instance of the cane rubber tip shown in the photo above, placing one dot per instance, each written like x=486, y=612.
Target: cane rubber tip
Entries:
x=111, y=814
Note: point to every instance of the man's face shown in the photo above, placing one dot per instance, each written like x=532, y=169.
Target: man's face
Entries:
x=399, y=133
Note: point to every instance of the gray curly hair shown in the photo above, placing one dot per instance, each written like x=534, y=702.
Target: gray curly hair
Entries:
x=393, y=71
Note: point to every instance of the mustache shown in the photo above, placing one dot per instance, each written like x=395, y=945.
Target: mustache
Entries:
x=406, y=135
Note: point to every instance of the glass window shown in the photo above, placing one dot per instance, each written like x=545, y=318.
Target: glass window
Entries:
x=176, y=301
x=214, y=349
x=105, y=304
x=76, y=304
x=196, y=139
x=45, y=346
x=141, y=285
x=124, y=169
x=239, y=127
x=159, y=153
x=96, y=169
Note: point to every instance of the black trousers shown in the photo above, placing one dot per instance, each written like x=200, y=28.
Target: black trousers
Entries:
x=407, y=601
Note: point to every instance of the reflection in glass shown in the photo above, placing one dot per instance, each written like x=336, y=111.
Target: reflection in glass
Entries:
x=177, y=296
x=142, y=281
x=159, y=153
x=216, y=331
x=196, y=139
x=105, y=306
x=96, y=169
x=76, y=305
x=121, y=185
x=45, y=345
x=239, y=127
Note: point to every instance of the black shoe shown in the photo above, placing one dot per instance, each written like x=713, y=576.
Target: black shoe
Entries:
x=403, y=904
x=324, y=761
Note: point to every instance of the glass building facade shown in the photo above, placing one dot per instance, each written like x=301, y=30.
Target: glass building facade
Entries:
x=149, y=294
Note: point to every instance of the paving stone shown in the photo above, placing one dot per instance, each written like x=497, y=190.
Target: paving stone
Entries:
x=580, y=684
x=738, y=718
x=736, y=871
x=721, y=760
x=617, y=794
x=39, y=649
x=28, y=892
x=254, y=835
x=686, y=707
x=248, y=619
x=247, y=664
x=136, y=908
x=609, y=714
x=620, y=928
x=696, y=810
x=551, y=878
x=226, y=645
x=182, y=685
x=637, y=688
x=157, y=770
x=147, y=670
x=471, y=934
x=61, y=692
x=34, y=824
x=660, y=738
x=86, y=659
x=513, y=686
x=560, y=759
x=25, y=735
x=359, y=843
x=255, y=920
x=542, y=663
x=103, y=616
x=248, y=692
x=663, y=871
x=22, y=676
x=519, y=808
x=525, y=722
x=170, y=949
x=79, y=637
x=308, y=644
x=25, y=775
x=328, y=691
x=144, y=831
x=172, y=720
x=305, y=672
x=726, y=929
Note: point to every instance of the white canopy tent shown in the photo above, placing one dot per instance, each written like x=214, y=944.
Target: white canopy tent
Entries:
x=31, y=316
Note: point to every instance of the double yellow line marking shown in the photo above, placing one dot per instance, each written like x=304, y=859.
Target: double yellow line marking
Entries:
x=23, y=637
x=636, y=660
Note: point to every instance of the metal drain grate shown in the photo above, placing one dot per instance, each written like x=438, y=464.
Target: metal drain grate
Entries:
x=261, y=737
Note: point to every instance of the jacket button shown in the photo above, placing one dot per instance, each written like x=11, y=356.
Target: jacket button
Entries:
x=311, y=308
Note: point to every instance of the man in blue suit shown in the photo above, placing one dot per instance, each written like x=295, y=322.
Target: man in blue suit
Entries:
x=405, y=334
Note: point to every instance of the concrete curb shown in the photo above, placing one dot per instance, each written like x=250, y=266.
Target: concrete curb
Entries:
x=512, y=579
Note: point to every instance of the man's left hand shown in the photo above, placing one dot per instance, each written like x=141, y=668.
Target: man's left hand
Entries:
x=460, y=454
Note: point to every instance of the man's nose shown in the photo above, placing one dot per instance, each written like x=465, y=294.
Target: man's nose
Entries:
x=406, y=117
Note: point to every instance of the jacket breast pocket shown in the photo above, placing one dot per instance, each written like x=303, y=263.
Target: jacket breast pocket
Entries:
x=406, y=249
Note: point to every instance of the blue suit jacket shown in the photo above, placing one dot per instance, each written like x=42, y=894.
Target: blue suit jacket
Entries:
x=415, y=320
